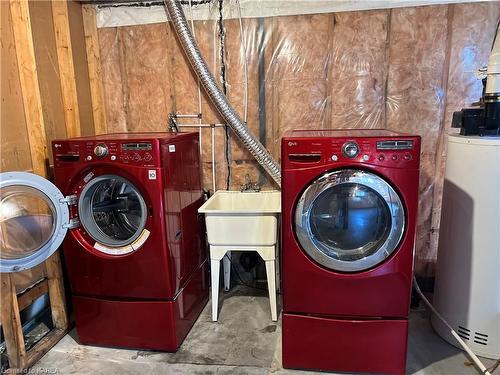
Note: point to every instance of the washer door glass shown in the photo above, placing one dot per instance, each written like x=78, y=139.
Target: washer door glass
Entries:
x=349, y=220
x=112, y=211
x=33, y=220
x=26, y=221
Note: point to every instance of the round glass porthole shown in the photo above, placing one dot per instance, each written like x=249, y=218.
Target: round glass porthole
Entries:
x=112, y=210
x=34, y=219
x=349, y=220
x=26, y=221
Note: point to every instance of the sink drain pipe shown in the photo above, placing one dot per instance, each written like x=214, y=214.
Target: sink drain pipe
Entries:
x=259, y=152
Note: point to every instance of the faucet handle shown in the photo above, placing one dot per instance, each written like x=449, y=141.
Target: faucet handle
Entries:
x=248, y=181
x=249, y=185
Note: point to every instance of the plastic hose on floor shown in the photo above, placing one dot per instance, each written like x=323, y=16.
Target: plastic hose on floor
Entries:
x=462, y=343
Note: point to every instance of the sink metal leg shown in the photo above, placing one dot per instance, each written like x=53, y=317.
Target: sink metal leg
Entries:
x=271, y=286
x=226, y=261
x=215, y=270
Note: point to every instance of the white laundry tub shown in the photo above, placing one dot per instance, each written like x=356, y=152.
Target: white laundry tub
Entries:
x=236, y=218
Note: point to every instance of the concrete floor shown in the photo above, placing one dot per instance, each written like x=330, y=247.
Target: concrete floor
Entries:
x=243, y=341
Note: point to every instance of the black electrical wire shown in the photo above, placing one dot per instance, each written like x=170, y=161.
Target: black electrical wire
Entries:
x=495, y=37
x=195, y=2
x=138, y=4
x=222, y=35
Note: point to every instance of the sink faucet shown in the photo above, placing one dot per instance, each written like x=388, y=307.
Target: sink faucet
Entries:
x=249, y=186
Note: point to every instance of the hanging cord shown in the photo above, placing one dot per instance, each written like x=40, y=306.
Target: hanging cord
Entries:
x=147, y=4
x=243, y=42
x=222, y=35
x=496, y=34
x=200, y=112
x=462, y=343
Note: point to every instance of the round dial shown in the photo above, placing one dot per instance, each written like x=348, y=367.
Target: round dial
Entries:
x=350, y=149
x=101, y=150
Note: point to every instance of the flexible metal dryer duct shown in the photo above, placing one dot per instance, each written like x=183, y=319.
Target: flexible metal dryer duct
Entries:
x=259, y=152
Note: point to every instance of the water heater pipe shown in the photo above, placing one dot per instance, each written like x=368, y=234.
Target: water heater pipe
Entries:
x=493, y=73
x=259, y=152
x=481, y=367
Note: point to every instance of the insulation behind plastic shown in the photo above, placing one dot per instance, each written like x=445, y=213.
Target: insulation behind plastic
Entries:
x=405, y=69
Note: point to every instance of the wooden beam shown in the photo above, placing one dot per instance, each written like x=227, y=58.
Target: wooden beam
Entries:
x=28, y=297
x=30, y=89
x=10, y=306
x=43, y=346
x=94, y=63
x=66, y=67
x=56, y=291
x=11, y=323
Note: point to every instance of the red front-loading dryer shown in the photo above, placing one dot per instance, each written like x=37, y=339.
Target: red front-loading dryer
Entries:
x=135, y=253
x=349, y=201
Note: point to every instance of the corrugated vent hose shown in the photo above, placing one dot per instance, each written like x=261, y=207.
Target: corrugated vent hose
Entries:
x=259, y=152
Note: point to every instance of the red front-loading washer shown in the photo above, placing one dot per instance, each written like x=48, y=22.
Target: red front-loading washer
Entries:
x=135, y=253
x=349, y=201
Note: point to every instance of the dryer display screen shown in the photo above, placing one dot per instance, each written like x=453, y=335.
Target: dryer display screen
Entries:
x=395, y=145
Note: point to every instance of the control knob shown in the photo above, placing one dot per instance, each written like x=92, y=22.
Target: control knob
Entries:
x=350, y=149
x=101, y=150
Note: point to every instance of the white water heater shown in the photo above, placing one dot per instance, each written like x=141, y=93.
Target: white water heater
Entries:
x=467, y=291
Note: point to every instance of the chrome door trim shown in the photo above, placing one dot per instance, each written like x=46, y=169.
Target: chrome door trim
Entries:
x=61, y=219
x=103, y=241
x=316, y=250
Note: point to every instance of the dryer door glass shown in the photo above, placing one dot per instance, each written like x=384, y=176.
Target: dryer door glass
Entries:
x=349, y=220
x=112, y=211
x=33, y=220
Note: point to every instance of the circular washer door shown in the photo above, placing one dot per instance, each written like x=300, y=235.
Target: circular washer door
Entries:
x=34, y=219
x=113, y=212
x=349, y=220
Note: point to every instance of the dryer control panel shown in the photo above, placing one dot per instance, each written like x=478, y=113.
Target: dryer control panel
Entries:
x=388, y=151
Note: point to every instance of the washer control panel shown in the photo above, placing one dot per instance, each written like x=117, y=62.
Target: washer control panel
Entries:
x=142, y=153
x=101, y=150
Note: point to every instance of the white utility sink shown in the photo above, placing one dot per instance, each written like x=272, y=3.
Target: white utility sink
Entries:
x=236, y=218
x=242, y=221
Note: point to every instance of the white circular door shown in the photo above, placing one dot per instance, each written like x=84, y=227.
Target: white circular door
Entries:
x=34, y=219
x=349, y=220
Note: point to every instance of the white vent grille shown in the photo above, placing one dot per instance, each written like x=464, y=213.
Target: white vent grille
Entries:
x=463, y=332
x=481, y=338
